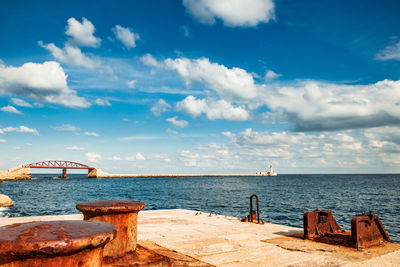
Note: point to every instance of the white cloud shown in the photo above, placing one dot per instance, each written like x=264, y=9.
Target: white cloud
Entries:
x=115, y=158
x=271, y=75
x=82, y=33
x=160, y=107
x=71, y=55
x=316, y=106
x=10, y=109
x=390, y=52
x=45, y=82
x=234, y=83
x=137, y=137
x=136, y=157
x=93, y=157
x=76, y=148
x=20, y=103
x=92, y=134
x=126, y=36
x=66, y=128
x=178, y=123
x=140, y=157
x=220, y=109
x=149, y=60
x=20, y=129
x=131, y=84
x=245, y=13
x=102, y=102
x=2, y=141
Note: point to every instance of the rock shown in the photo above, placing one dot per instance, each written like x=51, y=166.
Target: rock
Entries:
x=19, y=173
x=5, y=201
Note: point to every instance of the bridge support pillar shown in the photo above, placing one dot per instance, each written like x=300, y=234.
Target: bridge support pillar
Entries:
x=64, y=174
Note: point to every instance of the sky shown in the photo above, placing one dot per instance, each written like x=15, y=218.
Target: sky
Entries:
x=202, y=86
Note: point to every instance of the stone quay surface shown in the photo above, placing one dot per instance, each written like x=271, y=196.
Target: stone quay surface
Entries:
x=225, y=241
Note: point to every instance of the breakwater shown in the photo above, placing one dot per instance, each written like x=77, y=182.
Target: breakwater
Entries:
x=98, y=173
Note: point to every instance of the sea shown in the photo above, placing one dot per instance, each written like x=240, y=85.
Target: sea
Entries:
x=283, y=199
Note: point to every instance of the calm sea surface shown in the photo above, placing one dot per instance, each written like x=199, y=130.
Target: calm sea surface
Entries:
x=283, y=199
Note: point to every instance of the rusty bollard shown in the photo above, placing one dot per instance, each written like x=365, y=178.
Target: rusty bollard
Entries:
x=54, y=243
x=123, y=214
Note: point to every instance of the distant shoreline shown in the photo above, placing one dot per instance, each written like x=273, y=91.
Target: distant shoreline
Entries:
x=175, y=175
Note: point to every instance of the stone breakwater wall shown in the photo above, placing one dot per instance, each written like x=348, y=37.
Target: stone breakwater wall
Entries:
x=98, y=173
x=18, y=173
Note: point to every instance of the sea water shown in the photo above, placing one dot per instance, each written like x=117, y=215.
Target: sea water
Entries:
x=283, y=199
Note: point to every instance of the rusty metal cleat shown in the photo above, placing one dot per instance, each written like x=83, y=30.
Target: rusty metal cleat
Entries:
x=318, y=223
x=54, y=243
x=367, y=230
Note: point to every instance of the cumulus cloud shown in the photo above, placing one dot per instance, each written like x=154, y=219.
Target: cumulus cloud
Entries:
x=93, y=157
x=316, y=106
x=92, y=134
x=178, y=123
x=136, y=157
x=70, y=55
x=271, y=75
x=390, y=52
x=10, y=109
x=234, y=83
x=102, y=102
x=220, y=109
x=21, y=103
x=44, y=82
x=82, y=33
x=2, y=141
x=131, y=83
x=126, y=36
x=75, y=148
x=150, y=61
x=66, y=128
x=20, y=129
x=245, y=13
x=160, y=107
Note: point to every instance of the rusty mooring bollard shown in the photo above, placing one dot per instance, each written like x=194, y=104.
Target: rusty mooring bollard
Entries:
x=123, y=214
x=54, y=243
x=367, y=230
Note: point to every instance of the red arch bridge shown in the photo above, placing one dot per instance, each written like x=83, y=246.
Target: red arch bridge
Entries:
x=59, y=164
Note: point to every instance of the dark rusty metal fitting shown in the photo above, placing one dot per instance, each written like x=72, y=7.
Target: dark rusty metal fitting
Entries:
x=319, y=222
x=54, y=243
x=123, y=214
x=253, y=215
x=367, y=231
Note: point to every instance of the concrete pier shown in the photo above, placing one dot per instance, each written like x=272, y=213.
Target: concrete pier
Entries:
x=225, y=241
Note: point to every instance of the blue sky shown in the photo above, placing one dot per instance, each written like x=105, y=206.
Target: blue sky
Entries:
x=187, y=86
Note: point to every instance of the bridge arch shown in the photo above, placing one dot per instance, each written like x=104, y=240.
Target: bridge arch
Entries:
x=59, y=164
